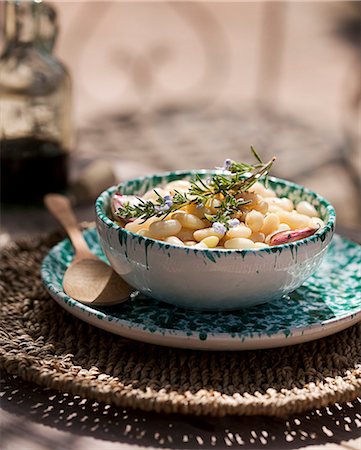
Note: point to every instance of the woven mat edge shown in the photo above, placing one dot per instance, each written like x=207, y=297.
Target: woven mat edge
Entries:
x=343, y=389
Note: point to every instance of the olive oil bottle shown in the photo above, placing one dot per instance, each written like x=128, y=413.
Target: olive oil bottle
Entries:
x=35, y=103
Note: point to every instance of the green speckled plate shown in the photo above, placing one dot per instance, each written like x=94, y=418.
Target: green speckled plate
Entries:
x=328, y=302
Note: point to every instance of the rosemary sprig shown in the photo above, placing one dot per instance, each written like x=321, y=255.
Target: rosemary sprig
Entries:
x=227, y=187
x=161, y=208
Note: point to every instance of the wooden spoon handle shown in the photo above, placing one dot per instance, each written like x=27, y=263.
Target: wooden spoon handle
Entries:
x=61, y=209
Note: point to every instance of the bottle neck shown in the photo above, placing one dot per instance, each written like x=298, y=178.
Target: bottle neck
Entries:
x=21, y=21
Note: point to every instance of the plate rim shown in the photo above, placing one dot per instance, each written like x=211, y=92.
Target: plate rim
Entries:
x=293, y=336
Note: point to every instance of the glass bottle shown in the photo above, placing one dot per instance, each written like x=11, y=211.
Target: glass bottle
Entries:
x=35, y=94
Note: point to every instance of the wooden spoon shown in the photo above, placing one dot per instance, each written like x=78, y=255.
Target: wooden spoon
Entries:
x=87, y=279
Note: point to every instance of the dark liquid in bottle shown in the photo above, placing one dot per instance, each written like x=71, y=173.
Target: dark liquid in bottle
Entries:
x=30, y=168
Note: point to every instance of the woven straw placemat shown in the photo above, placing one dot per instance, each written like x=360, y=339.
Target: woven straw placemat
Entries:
x=42, y=343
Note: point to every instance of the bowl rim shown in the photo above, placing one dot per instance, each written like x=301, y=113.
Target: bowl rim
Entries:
x=100, y=213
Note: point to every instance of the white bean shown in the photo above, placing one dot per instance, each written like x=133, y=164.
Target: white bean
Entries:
x=256, y=236
x=135, y=225
x=241, y=231
x=257, y=188
x=261, y=190
x=185, y=235
x=283, y=227
x=190, y=221
x=164, y=228
x=268, y=193
x=293, y=219
x=172, y=215
x=144, y=232
x=260, y=245
x=195, y=210
x=199, y=235
x=316, y=222
x=173, y=240
x=262, y=207
x=270, y=224
x=283, y=203
x=287, y=203
x=138, y=224
x=211, y=241
x=200, y=245
x=254, y=220
x=239, y=243
x=273, y=208
x=307, y=209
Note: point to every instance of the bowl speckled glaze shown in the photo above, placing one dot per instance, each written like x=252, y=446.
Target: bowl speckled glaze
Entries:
x=211, y=279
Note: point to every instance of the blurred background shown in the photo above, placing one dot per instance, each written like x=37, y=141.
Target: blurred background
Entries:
x=173, y=85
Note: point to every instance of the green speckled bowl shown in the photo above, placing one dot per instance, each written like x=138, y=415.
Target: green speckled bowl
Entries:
x=211, y=279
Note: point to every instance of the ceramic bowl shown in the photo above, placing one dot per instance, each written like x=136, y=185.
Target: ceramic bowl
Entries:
x=211, y=279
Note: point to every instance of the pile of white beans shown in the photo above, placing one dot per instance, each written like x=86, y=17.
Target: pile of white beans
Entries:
x=259, y=220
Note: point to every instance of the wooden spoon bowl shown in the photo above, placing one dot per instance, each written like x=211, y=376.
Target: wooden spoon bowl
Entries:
x=87, y=279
